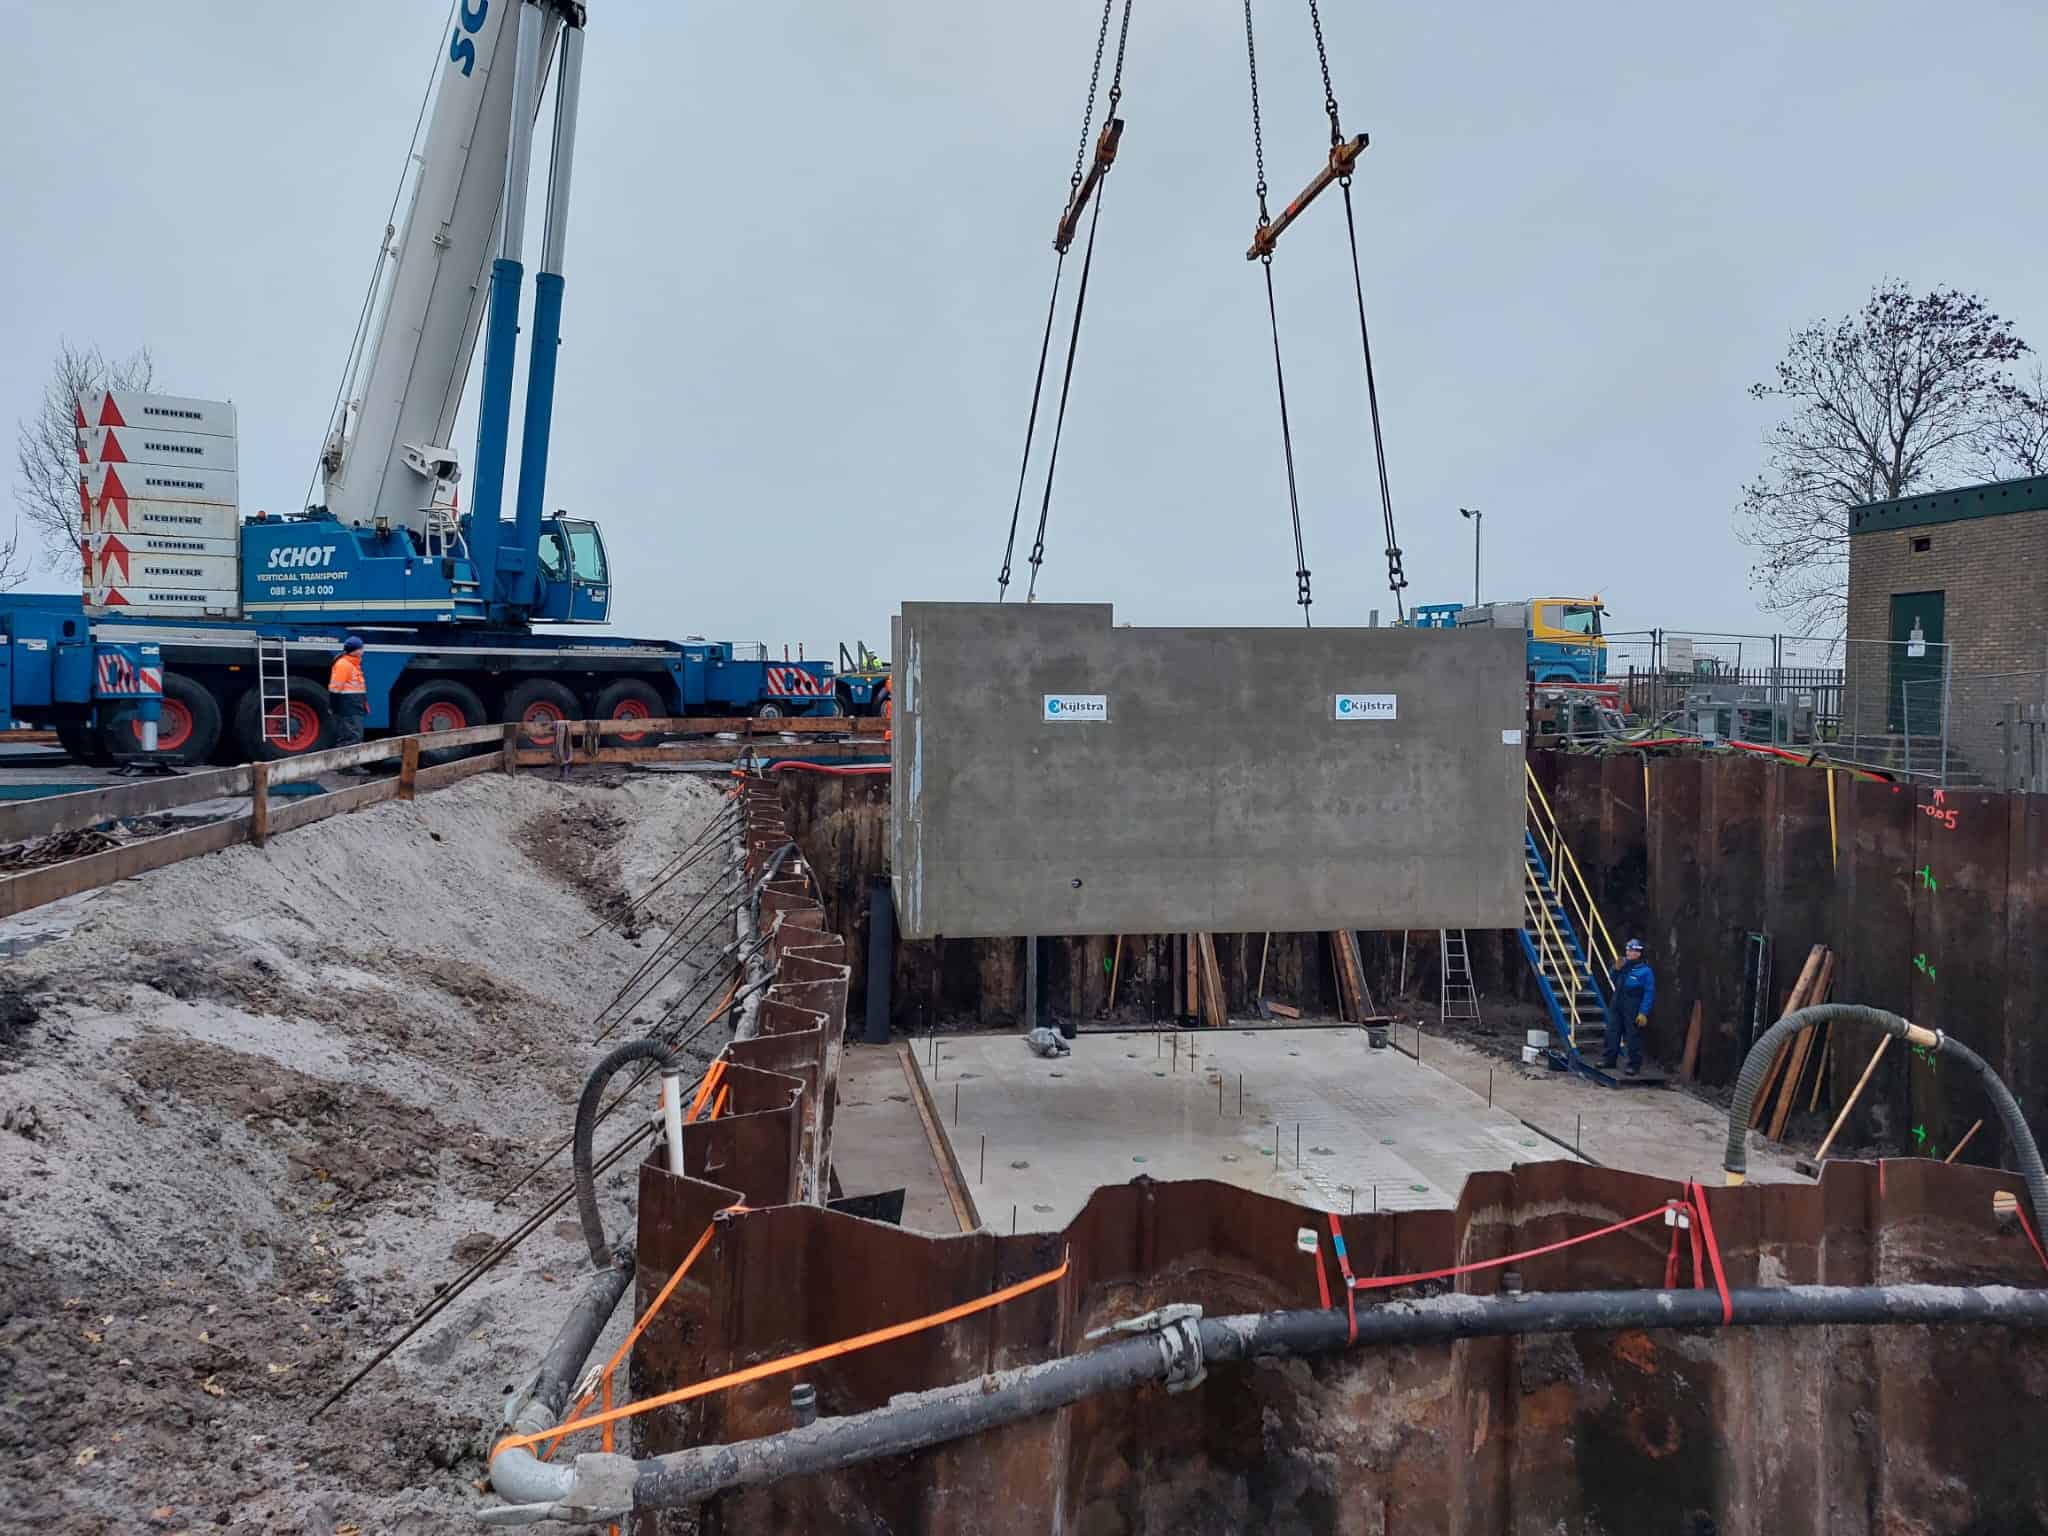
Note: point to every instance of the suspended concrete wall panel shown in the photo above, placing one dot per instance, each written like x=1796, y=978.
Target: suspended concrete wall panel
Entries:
x=1058, y=774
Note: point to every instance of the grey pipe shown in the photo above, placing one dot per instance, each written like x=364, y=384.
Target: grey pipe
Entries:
x=518, y=1474
x=1765, y=1051
x=609, y=1487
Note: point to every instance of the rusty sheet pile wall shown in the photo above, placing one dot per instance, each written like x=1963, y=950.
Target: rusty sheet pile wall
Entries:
x=1935, y=903
x=1736, y=1433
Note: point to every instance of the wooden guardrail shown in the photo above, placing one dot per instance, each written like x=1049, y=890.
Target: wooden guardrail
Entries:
x=22, y=821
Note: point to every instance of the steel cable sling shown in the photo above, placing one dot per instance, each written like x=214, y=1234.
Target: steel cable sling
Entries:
x=1083, y=187
x=1342, y=162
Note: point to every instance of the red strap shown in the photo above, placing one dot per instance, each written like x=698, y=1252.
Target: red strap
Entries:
x=1322, y=1280
x=1699, y=1199
x=1350, y=1283
x=2028, y=1227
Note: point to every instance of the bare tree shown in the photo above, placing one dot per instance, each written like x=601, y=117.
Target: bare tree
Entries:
x=2017, y=441
x=1898, y=397
x=46, y=451
x=13, y=559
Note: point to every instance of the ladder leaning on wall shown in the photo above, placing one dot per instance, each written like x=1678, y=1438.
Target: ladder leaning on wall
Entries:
x=1457, y=997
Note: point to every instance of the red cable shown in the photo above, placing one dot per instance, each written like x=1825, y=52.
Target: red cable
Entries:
x=1385, y=1282
x=858, y=768
x=1322, y=1280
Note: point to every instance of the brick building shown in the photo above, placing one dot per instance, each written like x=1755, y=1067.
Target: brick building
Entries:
x=1953, y=582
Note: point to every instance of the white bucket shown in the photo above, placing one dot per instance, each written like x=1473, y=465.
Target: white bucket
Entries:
x=1531, y=1055
x=1537, y=1037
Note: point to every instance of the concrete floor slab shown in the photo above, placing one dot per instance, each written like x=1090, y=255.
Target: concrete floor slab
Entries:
x=1371, y=1127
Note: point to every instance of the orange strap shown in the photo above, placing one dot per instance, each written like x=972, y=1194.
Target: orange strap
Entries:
x=724, y=1093
x=793, y=1362
x=632, y=1336
x=704, y=1089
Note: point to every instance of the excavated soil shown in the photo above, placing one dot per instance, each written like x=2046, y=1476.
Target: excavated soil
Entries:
x=255, y=1110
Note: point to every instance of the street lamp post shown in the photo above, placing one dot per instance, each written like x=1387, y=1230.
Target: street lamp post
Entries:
x=1477, y=517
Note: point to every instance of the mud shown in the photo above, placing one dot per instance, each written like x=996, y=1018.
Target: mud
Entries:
x=255, y=1110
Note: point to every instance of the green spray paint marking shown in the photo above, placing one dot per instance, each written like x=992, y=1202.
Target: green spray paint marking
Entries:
x=1927, y=880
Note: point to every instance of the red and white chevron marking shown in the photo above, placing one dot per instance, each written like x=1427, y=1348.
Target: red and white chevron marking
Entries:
x=796, y=682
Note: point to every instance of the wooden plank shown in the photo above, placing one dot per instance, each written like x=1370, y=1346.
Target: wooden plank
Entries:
x=21, y=820
x=1353, y=1003
x=1854, y=1094
x=310, y=765
x=745, y=725
x=1968, y=1136
x=1689, y=1063
x=1284, y=1010
x=27, y=738
x=339, y=802
x=441, y=775
x=707, y=752
x=508, y=753
x=1794, y=1001
x=1802, y=1047
x=1216, y=1002
x=1820, y=1078
x=259, y=803
x=409, y=769
x=36, y=887
x=942, y=1150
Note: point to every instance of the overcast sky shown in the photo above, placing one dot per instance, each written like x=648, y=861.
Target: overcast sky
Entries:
x=810, y=252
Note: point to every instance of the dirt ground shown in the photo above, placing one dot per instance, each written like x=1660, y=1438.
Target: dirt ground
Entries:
x=255, y=1108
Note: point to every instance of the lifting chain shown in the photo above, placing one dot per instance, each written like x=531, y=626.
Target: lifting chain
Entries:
x=1085, y=185
x=1315, y=18
x=1301, y=571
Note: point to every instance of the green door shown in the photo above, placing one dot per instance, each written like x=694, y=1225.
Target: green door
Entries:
x=1913, y=701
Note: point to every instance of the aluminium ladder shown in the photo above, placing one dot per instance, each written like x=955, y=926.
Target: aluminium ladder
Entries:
x=273, y=686
x=1457, y=997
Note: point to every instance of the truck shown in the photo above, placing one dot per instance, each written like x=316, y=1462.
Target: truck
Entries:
x=1565, y=642
x=201, y=632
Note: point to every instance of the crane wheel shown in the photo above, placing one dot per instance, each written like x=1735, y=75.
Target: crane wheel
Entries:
x=538, y=705
x=307, y=724
x=188, y=727
x=631, y=699
x=442, y=704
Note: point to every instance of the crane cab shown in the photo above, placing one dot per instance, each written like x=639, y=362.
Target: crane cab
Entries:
x=575, y=575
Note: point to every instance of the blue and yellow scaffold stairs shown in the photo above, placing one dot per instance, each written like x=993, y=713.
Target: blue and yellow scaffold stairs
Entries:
x=1569, y=948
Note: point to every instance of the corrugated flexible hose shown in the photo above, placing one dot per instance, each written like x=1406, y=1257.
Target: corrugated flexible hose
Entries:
x=1765, y=1051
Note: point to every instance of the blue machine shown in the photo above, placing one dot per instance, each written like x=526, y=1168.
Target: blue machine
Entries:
x=446, y=601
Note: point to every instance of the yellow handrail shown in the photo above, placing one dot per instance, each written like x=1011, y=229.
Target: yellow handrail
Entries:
x=1580, y=895
x=1554, y=956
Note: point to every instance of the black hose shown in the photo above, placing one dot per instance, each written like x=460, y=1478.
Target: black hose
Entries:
x=586, y=1127
x=1765, y=1051
x=915, y=1421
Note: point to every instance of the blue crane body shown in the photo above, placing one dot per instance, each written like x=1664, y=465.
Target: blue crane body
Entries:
x=200, y=632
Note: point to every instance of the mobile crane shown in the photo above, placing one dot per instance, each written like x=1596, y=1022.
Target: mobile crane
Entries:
x=223, y=640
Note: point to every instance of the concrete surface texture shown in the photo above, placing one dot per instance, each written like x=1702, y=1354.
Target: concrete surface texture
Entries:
x=1307, y=1114
x=1058, y=774
x=879, y=1141
x=256, y=1107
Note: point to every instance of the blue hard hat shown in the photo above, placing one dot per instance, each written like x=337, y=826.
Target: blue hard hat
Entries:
x=1635, y=944
x=352, y=643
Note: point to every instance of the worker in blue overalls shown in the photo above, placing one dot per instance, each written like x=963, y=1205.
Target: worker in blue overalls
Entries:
x=1635, y=993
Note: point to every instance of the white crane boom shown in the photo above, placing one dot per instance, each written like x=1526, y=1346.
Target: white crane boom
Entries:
x=389, y=456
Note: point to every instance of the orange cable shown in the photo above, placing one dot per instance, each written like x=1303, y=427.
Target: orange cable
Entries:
x=797, y=1361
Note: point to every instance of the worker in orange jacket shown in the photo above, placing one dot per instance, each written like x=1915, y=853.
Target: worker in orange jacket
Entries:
x=350, y=698
x=888, y=715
